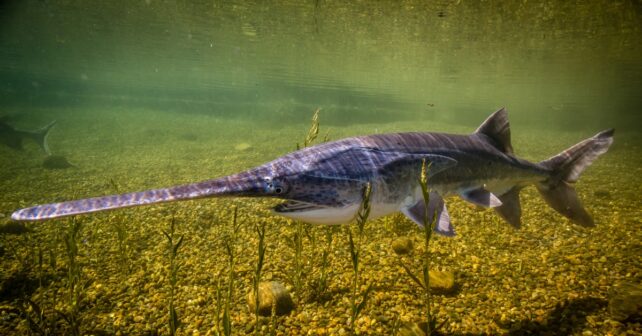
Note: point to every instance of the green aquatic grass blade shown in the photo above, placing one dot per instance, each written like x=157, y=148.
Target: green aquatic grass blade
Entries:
x=173, y=319
x=178, y=245
x=313, y=132
x=363, y=302
x=227, y=323
x=354, y=254
x=413, y=276
x=169, y=239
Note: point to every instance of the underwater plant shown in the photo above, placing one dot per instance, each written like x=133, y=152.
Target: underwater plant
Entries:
x=313, y=132
x=296, y=241
x=424, y=283
x=256, y=280
x=121, y=233
x=357, y=305
x=173, y=245
x=314, y=129
x=320, y=285
x=76, y=286
x=223, y=303
x=40, y=261
x=41, y=316
x=39, y=322
x=53, y=259
x=219, y=305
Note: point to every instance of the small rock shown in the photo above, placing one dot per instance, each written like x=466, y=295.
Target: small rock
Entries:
x=442, y=281
x=625, y=301
x=402, y=245
x=243, y=146
x=271, y=293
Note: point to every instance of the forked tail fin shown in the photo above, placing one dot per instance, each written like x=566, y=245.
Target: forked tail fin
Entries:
x=40, y=137
x=566, y=168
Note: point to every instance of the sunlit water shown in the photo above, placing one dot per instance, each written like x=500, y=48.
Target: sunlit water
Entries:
x=551, y=63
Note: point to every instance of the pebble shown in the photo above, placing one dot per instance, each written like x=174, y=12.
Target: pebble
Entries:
x=625, y=300
x=402, y=245
x=243, y=146
x=271, y=293
x=442, y=281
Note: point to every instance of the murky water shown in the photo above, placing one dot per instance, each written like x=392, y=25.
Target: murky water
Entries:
x=568, y=64
x=150, y=94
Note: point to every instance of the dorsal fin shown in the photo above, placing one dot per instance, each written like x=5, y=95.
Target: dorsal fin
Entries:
x=497, y=128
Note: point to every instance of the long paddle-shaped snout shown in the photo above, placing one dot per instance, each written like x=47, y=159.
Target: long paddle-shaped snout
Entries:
x=247, y=184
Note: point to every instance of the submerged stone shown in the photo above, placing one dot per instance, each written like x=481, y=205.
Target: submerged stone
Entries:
x=625, y=301
x=271, y=293
x=442, y=281
x=402, y=245
x=243, y=146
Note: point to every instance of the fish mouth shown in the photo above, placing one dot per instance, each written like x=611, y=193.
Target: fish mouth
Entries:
x=317, y=214
x=297, y=206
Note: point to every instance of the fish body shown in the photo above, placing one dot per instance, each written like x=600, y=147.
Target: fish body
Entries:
x=13, y=138
x=324, y=184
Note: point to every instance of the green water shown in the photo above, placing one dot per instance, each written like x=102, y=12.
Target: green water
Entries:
x=572, y=65
x=150, y=94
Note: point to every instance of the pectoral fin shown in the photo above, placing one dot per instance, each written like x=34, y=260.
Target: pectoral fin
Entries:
x=481, y=197
x=435, y=205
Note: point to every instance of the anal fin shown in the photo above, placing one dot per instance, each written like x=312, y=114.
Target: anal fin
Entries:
x=435, y=205
x=510, y=210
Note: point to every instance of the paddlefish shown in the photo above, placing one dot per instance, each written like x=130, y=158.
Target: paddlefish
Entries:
x=323, y=184
x=13, y=137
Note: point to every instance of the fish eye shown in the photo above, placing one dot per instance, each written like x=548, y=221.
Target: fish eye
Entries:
x=274, y=186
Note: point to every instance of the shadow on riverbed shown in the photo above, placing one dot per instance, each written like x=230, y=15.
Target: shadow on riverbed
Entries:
x=568, y=317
